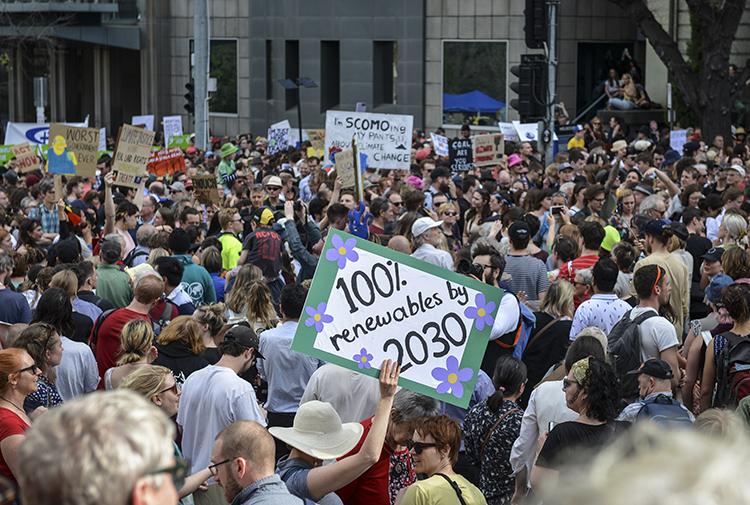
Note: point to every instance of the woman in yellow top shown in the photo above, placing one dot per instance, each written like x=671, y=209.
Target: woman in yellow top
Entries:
x=434, y=448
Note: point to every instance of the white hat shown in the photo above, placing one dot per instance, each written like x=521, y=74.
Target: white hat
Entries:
x=738, y=169
x=317, y=431
x=423, y=224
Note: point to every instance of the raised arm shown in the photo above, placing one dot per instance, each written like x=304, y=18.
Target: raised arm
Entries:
x=109, y=204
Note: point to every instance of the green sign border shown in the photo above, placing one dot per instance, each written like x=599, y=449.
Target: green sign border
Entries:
x=322, y=285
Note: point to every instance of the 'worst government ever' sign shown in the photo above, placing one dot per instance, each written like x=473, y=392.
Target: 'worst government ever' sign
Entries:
x=368, y=303
x=385, y=138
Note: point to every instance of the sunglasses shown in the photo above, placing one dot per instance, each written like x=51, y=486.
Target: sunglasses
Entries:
x=273, y=188
x=567, y=383
x=176, y=388
x=418, y=447
x=214, y=469
x=33, y=369
x=397, y=204
x=450, y=213
x=178, y=472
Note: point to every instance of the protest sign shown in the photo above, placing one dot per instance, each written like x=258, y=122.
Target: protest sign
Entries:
x=345, y=168
x=385, y=138
x=206, y=189
x=181, y=141
x=278, y=137
x=317, y=140
x=488, y=149
x=146, y=121
x=6, y=154
x=368, y=303
x=102, y=140
x=439, y=144
x=72, y=150
x=34, y=133
x=509, y=131
x=166, y=162
x=132, y=155
x=172, y=127
x=26, y=158
x=460, y=151
x=677, y=140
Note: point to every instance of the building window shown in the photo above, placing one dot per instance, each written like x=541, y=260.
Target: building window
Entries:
x=330, y=73
x=291, y=71
x=474, y=82
x=384, y=72
x=224, y=69
x=269, y=70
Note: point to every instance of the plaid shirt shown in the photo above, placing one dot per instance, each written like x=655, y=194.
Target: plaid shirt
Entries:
x=49, y=218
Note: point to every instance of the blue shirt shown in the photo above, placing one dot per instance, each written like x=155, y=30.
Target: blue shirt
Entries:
x=286, y=371
x=49, y=219
x=266, y=491
x=14, y=308
x=86, y=308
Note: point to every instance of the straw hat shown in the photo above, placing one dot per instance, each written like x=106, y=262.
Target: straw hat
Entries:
x=318, y=431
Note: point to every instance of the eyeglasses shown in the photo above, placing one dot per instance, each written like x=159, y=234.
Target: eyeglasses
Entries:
x=397, y=204
x=176, y=388
x=33, y=369
x=273, y=188
x=600, y=200
x=477, y=265
x=567, y=383
x=450, y=213
x=418, y=447
x=214, y=469
x=178, y=472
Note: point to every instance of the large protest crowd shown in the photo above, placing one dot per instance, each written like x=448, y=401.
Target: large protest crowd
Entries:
x=623, y=267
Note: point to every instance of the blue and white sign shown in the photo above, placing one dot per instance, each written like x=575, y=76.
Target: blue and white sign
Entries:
x=33, y=133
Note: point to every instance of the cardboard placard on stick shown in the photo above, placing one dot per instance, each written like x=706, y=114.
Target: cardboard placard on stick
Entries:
x=345, y=168
x=26, y=158
x=488, y=149
x=72, y=150
x=359, y=189
x=206, y=190
x=132, y=155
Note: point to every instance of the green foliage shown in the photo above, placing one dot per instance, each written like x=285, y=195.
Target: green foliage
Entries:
x=224, y=69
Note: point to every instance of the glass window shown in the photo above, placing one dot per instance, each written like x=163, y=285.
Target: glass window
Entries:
x=224, y=70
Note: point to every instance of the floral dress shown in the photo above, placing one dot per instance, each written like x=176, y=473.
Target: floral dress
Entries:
x=495, y=473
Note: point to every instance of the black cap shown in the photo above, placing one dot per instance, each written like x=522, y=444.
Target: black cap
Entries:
x=519, y=230
x=690, y=147
x=245, y=336
x=110, y=251
x=658, y=228
x=654, y=367
x=713, y=254
x=680, y=231
x=642, y=188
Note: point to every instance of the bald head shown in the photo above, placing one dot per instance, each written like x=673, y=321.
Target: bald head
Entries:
x=251, y=441
x=400, y=243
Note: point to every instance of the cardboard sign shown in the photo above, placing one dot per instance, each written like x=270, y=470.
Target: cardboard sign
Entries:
x=440, y=144
x=172, y=127
x=488, y=149
x=368, y=303
x=677, y=140
x=132, y=155
x=72, y=150
x=26, y=158
x=317, y=140
x=385, y=138
x=278, y=137
x=206, y=189
x=6, y=154
x=345, y=168
x=145, y=121
x=461, y=152
x=181, y=141
x=509, y=131
x=166, y=162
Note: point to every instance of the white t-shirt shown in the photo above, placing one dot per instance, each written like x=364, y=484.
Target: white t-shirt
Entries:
x=212, y=399
x=657, y=334
x=77, y=373
x=354, y=396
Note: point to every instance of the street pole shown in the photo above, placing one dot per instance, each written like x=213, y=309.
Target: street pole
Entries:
x=299, y=111
x=200, y=70
x=551, y=79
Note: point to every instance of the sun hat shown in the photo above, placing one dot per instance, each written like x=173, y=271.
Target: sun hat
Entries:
x=514, y=159
x=423, y=224
x=319, y=432
x=274, y=181
x=228, y=149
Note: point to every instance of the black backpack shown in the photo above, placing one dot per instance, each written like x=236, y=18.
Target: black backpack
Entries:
x=665, y=411
x=733, y=371
x=624, y=343
x=132, y=255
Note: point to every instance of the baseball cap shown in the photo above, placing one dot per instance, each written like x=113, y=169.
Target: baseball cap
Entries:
x=577, y=128
x=690, y=147
x=611, y=238
x=716, y=286
x=713, y=254
x=263, y=216
x=423, y=224
x=657, y=227
x=245, y=336
x=519, y=230
x=671, y=157
x=642, y=188
x=654, y=367
x=738, y=169
x=177, y=186
x=565, y=166
x=680, y=231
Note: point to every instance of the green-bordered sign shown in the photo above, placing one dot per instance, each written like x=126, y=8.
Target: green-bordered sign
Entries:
x=368, y=303
x=181, y=141
x=6, y=153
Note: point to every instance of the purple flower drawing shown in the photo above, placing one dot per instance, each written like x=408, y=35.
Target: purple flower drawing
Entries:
x=318, y=317
x=363, y=359
x=482, y=313
x=342, y=251
x=451, y=377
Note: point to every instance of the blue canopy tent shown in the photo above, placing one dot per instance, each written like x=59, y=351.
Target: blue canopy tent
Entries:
x=473, y=101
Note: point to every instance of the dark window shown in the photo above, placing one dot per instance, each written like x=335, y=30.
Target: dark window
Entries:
x=224, y=70
x=291, y=71
x=330, y=74
x=269, y=70
x=384, y=72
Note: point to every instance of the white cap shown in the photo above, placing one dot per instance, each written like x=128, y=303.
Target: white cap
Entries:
x=738, y=169
x=423, y=224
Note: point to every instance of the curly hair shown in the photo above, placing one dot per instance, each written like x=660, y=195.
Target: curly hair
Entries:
x=602, y=391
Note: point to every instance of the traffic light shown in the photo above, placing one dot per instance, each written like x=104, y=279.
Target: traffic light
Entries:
x=531, y=87
x=535, y=27
x=190, y=98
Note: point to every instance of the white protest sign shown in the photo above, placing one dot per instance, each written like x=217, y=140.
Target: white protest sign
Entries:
x=528, y=132
x=385, y=138
x=294, y=136
x=172, y=127
x=34, y=133
x=278, y=136
x=509, y=131
x=439, y=144
x=147, y=121
x=677, y=140
x=102, y=139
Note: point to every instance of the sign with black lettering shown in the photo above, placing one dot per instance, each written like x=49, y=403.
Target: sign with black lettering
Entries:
x=460, y=152
x=368, y=303
x=206, y=190
x=72, y=150
x=385, y=138
x=131, y=155
x=488, y=149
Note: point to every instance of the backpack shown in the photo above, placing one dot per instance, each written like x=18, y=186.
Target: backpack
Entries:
x=733, y=371
x=157, y=326
x=132, y=255
x=665, y=411
x=624, y=343
x=518, y=339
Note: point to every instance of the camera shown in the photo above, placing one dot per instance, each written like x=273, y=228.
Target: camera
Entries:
x=466, y=267
x=556, y=210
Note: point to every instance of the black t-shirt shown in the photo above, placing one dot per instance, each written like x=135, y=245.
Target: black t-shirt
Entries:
x=544, y=352
x=697, y=246
x=573, y=443
x=264, y=251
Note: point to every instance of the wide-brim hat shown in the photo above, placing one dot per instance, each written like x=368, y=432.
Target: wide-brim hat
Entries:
x=228, y=149
x=319, y=432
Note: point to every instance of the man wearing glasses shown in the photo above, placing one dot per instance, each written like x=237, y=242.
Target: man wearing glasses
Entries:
x=273, y=190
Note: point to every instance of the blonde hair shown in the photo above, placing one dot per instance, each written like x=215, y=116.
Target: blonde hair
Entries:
x=147, y=380
x=719, y=423
x=66, y=280
x=558, y=302
x=155, y=254
x=213, y=315
x=446, y=207
x=735, y=226
x=571, y=231
x=597, y=333
x=185, y=329
x=136, y=340
x=236, y=297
